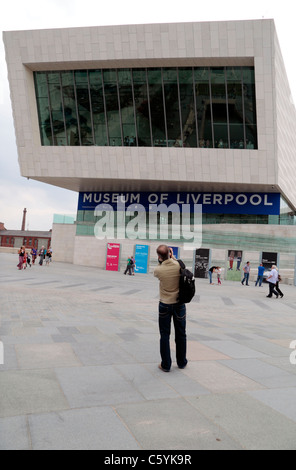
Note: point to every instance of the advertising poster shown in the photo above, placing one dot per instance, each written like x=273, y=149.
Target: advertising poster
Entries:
x=268, y=259
x=202, y=263
x=234, y=265
x=112, y=257
x=141, y=259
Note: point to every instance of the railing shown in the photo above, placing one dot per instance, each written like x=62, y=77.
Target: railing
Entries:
x=64, y=219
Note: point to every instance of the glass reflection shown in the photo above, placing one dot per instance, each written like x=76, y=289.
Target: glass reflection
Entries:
x=235, y=107
x=219, y=107
x=202, y=107
x=157, y=108
x=187, y=107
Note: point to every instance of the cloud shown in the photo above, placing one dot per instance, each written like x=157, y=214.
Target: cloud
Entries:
x=40, y=200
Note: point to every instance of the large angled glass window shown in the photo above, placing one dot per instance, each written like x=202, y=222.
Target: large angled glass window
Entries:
x=202, y=107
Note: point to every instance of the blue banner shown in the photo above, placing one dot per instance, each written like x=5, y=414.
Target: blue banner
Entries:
x=212, y=203
x=141, y=258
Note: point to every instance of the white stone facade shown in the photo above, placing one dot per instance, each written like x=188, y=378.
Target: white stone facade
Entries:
x=270, y=168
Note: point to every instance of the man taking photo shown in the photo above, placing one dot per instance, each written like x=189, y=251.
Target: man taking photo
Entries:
x=168, y=273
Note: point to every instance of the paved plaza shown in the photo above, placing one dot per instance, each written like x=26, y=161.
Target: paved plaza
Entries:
x=81, y=355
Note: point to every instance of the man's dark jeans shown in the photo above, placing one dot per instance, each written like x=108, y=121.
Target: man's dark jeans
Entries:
x=178, y=312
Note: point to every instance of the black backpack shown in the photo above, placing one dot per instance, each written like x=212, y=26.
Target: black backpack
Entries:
x=186, y=284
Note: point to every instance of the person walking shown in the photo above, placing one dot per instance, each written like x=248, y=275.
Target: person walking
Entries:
x=22, y=254
x=133, y=265
x=34, y=255
x=129, y=266
x=277, y=286
x=42, y=253
x=272, y=280
x=259, y=280
x=28, y=260
x=246, y=273
x=48, y=256
x=168, y=274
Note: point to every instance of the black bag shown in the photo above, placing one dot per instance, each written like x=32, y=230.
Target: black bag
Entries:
x=186, y=284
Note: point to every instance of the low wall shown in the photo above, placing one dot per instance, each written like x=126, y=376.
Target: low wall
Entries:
x=6, y=249
x=89, y=251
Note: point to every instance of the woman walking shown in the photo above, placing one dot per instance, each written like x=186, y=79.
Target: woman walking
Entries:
x=22, y=254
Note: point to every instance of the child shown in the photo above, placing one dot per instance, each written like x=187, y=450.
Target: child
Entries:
x=218, y=271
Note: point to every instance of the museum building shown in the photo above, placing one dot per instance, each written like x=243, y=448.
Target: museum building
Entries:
x=159, y=118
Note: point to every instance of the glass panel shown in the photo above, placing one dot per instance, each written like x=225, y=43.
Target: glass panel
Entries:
x=43, y=108
x=127, y=107
x=97, y=104
x=142, y=108
x=82, y=94
x=203, y=107
x=235, y=107
x=112, y=108
x=172, y=107
x=250, y=107
x=187, y=107
x=57, y=116
x=40, y=84
x=156, y=108
x=219, y=107
x=70, y=108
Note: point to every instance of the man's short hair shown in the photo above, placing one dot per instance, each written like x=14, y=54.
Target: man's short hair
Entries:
x=163, y=251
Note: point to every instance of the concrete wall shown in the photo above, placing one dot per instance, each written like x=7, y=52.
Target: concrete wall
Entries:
x=62, y=242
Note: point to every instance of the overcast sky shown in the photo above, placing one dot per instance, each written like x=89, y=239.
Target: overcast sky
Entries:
x=42, y=200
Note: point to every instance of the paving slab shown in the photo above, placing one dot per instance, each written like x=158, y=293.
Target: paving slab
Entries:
x=30, y=391
x=14, y=433
x=41, y=356
x=253, y=425
x=95, y=385
x=280, y=399
x=81, y=429
x=173, y=424
x=81, y=355
x=263, y=373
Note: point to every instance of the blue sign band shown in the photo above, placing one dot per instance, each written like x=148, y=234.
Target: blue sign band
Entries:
x=212, y=203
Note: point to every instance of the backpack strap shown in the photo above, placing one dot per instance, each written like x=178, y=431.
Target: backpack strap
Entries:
x=182, y=265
